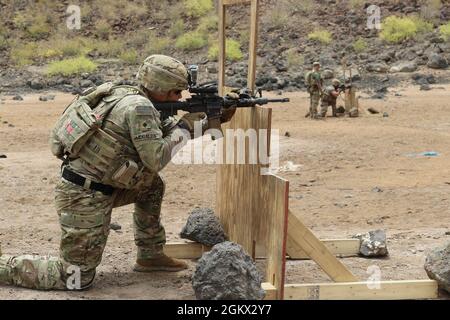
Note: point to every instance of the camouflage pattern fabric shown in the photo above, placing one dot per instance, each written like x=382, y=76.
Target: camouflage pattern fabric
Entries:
x=328, y=100
x=85, y=218
x=161, y=74
x=85, y=215
x=312, y=80
x=314, y=103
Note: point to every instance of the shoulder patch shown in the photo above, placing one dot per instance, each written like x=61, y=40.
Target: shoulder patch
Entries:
x=144, y=111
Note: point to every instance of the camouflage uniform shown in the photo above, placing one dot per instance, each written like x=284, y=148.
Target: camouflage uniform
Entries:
x=314, y=82
x=328, y=99
x=85, y=214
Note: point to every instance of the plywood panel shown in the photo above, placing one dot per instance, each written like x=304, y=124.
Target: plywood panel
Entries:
x=253, y=207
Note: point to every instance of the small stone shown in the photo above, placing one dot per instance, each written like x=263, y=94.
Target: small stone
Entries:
x=227, y=272
x=373, y=111
x=115, y=226
x=203, y=227
x=437, y=266
x=43, y=98
x=376, y=189
x=46, y=98
x=447, y=233
x=385, y=115
x=373, y=244
x=425, y=87
x=3, y=156
x=287, y=134
x=49, y=239
x=11, y=125
x=18, y=98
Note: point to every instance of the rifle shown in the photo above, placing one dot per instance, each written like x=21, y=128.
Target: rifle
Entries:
x=205, y=98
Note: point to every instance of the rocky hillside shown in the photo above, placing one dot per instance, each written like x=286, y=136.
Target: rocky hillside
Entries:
x=40, y=49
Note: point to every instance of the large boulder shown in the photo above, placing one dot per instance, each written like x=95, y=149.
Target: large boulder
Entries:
x=437, y=61
x=437, y=266
x=404, y=66
x=203, y=227
x=227, y=273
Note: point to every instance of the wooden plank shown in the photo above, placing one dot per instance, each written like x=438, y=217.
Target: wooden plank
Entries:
x=303, y=239
x=271, y=291
x=252, y=56
x=221, y=62
x=181, y=250
x=276, y=197
x=388, y=290
x=235, y=2
x=338, y=247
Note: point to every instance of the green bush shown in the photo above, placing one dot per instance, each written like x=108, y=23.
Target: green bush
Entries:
x=197, y=8
x=208, y=24
x=22, y=54
x=190, y=41
x=278, y=17
x=71, y=66
x=360, y=45
x=395, y=29
x=294, y=59
x=430, y=9
x=39, y=29
x=322, y=36
x=177, y=28
x=129, y=57
x=156, y=45
x=3, y=42
x=445, y=31
x=356, y=4
x=103, y=29
x=244, y=37
x=232, y=50
x=111, y=48
x=303, y=6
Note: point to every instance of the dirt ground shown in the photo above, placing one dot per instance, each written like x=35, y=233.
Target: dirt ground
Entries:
x=342, y=161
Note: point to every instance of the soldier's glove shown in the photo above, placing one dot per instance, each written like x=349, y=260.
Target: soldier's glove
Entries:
x=189, y=120
x=228, y=113
x=168, y=125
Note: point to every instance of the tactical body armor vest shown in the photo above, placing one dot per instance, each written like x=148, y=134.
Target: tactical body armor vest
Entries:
x=327, y=96
x=80, y=133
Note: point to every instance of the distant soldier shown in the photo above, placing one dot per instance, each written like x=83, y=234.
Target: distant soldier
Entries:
x=329, y=98
x=314, y=84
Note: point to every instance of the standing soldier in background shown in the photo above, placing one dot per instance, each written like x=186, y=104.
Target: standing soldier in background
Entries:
x=314, y=84
x=329, y=98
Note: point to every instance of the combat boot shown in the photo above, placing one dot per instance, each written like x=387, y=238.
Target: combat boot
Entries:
x=159, y=263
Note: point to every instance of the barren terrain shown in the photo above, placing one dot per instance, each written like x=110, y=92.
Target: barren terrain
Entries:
x=355, y=175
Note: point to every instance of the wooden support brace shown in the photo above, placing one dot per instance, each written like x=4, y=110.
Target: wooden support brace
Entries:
x=189, y=250
x=271, y=291
x=302, y=239
x=387, y=290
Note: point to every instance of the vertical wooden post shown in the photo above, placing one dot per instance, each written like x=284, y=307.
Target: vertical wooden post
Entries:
x=222, y=46
x=253, y=45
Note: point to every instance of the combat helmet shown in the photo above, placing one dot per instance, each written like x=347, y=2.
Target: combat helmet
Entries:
x=160, y=73
x=335, y=82
x=316, y=64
